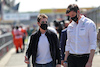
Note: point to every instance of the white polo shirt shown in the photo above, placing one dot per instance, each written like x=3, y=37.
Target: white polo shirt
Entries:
x=43, y=50
x=82, y=37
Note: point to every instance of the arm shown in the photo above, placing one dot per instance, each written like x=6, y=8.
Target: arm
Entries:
x=67, y=48
x=66, y=58
x=58, y=53
x=29, y=50
x=58, y=50
x=91, y=56
x=66, y=55
x=63, y=43
x=89, y=63
x=93, y=40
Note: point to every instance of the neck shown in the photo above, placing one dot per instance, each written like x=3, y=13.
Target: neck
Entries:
x=42, y=31
x=77, y=21
x=78, y=18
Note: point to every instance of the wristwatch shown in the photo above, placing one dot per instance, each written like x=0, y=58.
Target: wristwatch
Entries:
x=65, y=61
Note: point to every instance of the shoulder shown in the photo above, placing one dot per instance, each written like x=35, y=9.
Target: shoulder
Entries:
x=49, y=32
x=89, y=24
x=34, y=34
x=52, y=29
x=89, y=21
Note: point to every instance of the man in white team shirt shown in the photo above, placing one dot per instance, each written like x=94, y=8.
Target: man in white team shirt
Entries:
x=82, y=37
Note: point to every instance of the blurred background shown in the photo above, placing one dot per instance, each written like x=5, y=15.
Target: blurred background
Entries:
x=24, y=13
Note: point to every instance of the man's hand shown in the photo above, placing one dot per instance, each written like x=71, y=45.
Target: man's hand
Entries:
x=62, y=61
x=88, y=64
x=26, y=60
x=58, y=65
x=65, y=65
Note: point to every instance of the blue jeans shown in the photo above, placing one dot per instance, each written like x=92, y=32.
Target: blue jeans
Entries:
x=51, y=64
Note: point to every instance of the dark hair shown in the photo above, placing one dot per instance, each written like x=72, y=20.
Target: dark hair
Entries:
x=41, y=16
x=72, y=7
x=17, y=27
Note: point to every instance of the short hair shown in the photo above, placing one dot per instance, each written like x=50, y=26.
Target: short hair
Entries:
x=41, y=16
x=17, y=27
x=72, y=7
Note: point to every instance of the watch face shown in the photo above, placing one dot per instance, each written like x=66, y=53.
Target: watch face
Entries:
x=65, y=61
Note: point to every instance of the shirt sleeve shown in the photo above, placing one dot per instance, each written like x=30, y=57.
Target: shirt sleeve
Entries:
x=92, y=36
x=67, y=47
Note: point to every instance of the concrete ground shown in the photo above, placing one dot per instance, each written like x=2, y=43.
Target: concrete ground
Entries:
x=11, y=59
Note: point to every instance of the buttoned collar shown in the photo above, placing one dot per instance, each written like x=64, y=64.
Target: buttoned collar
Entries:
x=82, y=18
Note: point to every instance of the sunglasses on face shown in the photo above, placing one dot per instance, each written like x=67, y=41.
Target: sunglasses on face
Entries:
x=43, y=22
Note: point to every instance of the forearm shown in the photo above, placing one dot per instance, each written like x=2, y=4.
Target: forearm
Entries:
x=59, y=56
x=62, y=56
x=62, y=51
x=92, y=52
x=29, y=52
x=66, y=55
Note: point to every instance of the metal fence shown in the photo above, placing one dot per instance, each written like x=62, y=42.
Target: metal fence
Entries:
x=94, y=14
x=6, y=43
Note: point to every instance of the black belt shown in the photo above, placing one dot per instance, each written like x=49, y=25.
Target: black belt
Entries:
x=80, y=55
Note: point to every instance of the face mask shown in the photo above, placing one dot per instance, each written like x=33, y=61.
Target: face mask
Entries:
x=74, y=18
x=44, y=26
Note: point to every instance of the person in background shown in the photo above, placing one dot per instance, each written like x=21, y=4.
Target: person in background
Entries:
x=58, y=28
x=98, y=39
x=13, y=29
x=43, y=46
x=24, y=36
x=63, y=40
x=28, y=31
x=81, y=39
x=18, y=39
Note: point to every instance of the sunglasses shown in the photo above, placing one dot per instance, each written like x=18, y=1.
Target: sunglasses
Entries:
x=43, y=22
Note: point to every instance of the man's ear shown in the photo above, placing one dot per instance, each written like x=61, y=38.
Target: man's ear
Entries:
x=38, y=23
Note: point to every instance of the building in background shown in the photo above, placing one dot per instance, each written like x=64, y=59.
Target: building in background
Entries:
x=58, y=14
x=9, y=14
x=6, y=7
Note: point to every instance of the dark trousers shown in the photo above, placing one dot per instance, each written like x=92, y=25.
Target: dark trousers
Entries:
x=77, y=61
x=51, y=64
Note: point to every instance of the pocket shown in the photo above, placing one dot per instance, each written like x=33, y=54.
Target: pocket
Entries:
x=81, y=31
